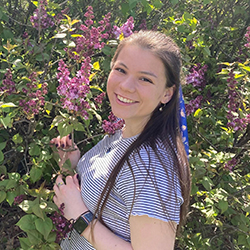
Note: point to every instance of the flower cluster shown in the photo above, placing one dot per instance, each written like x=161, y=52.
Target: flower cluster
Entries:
x=236, y=121
x=125, y=29
x=74, y=90
x=40, y=19
x=143, y=25
x=190, y=45
x=196, y=77
x=99, y=98
x=63, y=226
x=9, y=86
x=247, y=35
x=230, y=164
x=34, y=91
x=91, y=38
x=193, y=105
x=112, y=125
x=19, y=199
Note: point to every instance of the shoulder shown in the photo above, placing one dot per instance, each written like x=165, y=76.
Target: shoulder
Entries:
x=159, y=154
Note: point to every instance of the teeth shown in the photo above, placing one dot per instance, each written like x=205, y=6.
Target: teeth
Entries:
x=124, y=99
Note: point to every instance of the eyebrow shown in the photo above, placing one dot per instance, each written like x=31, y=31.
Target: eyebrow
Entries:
x=142, y=72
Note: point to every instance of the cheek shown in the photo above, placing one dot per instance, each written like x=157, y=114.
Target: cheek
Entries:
x=109, y=85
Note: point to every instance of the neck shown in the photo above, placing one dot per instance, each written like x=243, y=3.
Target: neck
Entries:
x=130, y=130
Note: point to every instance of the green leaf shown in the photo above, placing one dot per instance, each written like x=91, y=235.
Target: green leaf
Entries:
x=11, y=197
x=206, y=51
x=198, y=113
x=1, y=156
x=6, y=121
x=223, y=205
x=2, y=145
x=247, y=68
x=35, y=174
x=34, y=149
x=25, y=243
x=44, y=226
x=106, y=50
x=17, y=139
x=42, y=57
x=174, y=2
x=34, y=237
x=64, y=129
x=27, y=222
x=57, y=120
x=7, y=105
x=78, y=127
x=11, y=184
x=157, y=4
x=60, y=35
x=182, y=28
x=26, y=206
x=52, y=237
x=3, y=170
x=3, y=196
x=207, y=183
x=36, y=209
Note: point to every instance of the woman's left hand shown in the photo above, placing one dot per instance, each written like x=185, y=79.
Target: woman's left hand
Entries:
x=69, y=193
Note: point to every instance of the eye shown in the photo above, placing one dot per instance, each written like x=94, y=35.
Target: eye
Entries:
x=120, y=70
x=146, y=79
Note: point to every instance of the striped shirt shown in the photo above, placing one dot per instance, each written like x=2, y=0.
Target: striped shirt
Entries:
x=142, y=193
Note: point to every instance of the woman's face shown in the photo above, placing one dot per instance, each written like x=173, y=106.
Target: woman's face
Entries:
x=137, y=85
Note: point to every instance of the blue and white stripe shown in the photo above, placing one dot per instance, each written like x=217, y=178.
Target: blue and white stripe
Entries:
x=95, y=167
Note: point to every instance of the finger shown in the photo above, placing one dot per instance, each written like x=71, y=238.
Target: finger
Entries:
x=59, y=179
x=54, y=142
x=76, y=180
x=68, y=141
x=63, y=142
x=55, y=199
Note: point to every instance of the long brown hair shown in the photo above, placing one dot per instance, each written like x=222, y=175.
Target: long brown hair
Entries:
x=163, y=125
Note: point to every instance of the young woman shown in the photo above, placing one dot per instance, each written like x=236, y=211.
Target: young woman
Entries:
x=135, y=184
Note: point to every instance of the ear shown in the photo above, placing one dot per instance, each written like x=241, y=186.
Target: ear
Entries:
x=168, y=93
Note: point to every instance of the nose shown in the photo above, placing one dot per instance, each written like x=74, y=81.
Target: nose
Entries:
x=128, y=84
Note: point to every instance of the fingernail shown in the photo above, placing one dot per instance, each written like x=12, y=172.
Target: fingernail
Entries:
x=78, y=178
x=56, y=145
x=62, y=145
x=70, y=136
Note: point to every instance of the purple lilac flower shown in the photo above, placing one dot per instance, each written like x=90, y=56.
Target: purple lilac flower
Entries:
x=74, y=90
x=126, y=28
x=19, y=199
x=193, y=105
x=35, y=96
x=91, y=37
x=9, y=86
x=40, y=18
x=230, y=164
x=62, y=225
x=196, y=77
x=143, y=25
x=112, y=125
x=247, y=35
x=99, y=98
x=235, y=121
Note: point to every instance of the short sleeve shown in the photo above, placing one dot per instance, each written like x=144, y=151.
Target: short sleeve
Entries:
x=149, y=189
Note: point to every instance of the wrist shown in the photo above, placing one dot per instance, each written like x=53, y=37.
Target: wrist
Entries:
x=83, y=221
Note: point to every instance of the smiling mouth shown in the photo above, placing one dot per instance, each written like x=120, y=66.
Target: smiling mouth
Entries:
x=125, y=100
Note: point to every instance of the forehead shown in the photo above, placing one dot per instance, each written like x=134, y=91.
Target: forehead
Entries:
x=139, y=57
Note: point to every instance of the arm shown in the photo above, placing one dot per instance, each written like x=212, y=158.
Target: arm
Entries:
x=146, y=233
